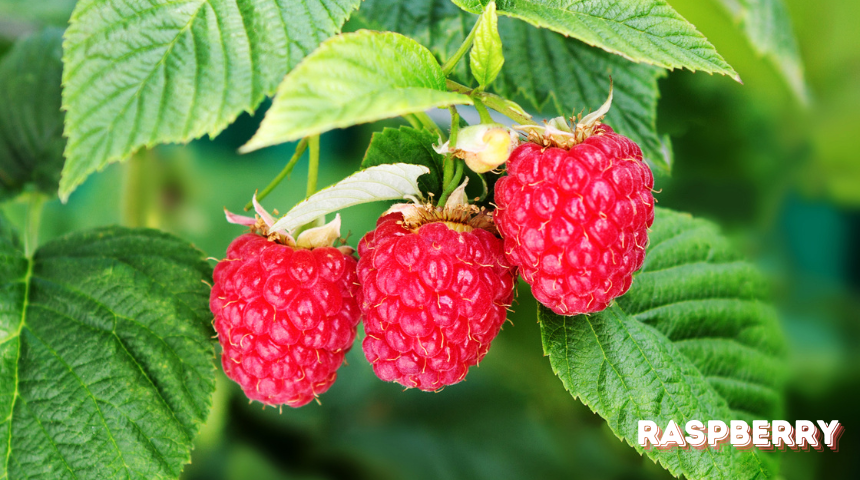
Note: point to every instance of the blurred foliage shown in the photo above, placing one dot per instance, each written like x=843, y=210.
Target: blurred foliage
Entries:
x=783, y=181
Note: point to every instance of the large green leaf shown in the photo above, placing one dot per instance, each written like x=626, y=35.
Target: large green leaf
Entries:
x=407, y=145
x=31, y=123
x=692, y=339
x=106, y=361
x=767, y=24
x=647, y=31
x=354, y=78
x=556, y=74
x=144, y=72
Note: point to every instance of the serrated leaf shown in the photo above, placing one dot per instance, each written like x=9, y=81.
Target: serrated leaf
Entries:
x=407, y=145
x=692, y=339
x=374, y=184
x=354, y=78
x=486, y=57
x=767, y=25
x=556, y=74
x=31, y=123
x=106, y=362
x=138, y=74
x=647, y=31
x=439, y=25
x=566, y=77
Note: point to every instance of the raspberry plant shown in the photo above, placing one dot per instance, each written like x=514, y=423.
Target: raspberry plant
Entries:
x=107, y=357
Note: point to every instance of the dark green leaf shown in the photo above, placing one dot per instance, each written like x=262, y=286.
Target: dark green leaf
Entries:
x=647, y=31
x=31, y=123
x=138, y=74
x=407, y=145
x=692, y=339
x=106, y=361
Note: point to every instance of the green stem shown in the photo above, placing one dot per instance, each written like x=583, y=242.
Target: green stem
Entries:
x=452, y=62
x=138, y=188
x=448, y=171
x=314, y=164
x=412, y=121
x=482, y=110
x=455, y=182
x=429, y=124
x=502, y=105
x=300, y=149
x=33, y=221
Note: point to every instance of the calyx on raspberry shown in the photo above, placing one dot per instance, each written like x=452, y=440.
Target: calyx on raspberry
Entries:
x=435, y=288
x=574, y=211
x=285, y=310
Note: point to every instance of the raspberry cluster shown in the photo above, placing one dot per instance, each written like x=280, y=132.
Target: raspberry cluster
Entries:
x=434, y=295
x=575, y=220
x=285, y=317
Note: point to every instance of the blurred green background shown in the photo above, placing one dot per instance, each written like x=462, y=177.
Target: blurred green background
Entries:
x=782, y=179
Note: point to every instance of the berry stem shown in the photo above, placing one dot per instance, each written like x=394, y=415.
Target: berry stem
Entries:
x=452, y=62
x=34, y=218
x=288, y=168
x=314, y=164
x=453, y=184
x=482, y=110
x=502, y=105
x=412, y=121
x=429, y=124
x=450, y=167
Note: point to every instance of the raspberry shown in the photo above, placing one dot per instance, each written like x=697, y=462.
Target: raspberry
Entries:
x=575, y=219
x=434, y=292
x=285, y=315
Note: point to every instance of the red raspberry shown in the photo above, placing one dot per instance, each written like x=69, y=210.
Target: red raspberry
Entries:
x=434, y=294
x=575, y=220
x=285, y=317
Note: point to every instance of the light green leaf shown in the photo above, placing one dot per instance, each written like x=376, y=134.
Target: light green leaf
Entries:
x=767, y=25
x=106, y=362
x=486, y=57
x=647, y=31
x=558, y=75
x=354, y=78
x=407, y=145
x=439, y=25
x=139, y=73
x=31, y=123
x=692, y=339
x=374, y=184
x=563, y=76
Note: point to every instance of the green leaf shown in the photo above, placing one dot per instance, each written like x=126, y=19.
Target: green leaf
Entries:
x=106, y=362
x=647, y=31
x=138, y=74
x=767, y=25
x=486, y=57
x=692, y=339
x=565, y=77
x=354, y=78
x=374, y=184
x=556, y=74
x=407, y=145
x=31, y=123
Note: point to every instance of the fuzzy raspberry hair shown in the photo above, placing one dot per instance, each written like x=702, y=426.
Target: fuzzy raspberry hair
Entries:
x=575, y=220
x=434, y=296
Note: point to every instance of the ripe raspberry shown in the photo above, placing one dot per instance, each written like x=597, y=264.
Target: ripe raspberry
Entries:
x=285, y=317
x=575, y=219
x=434, y=290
